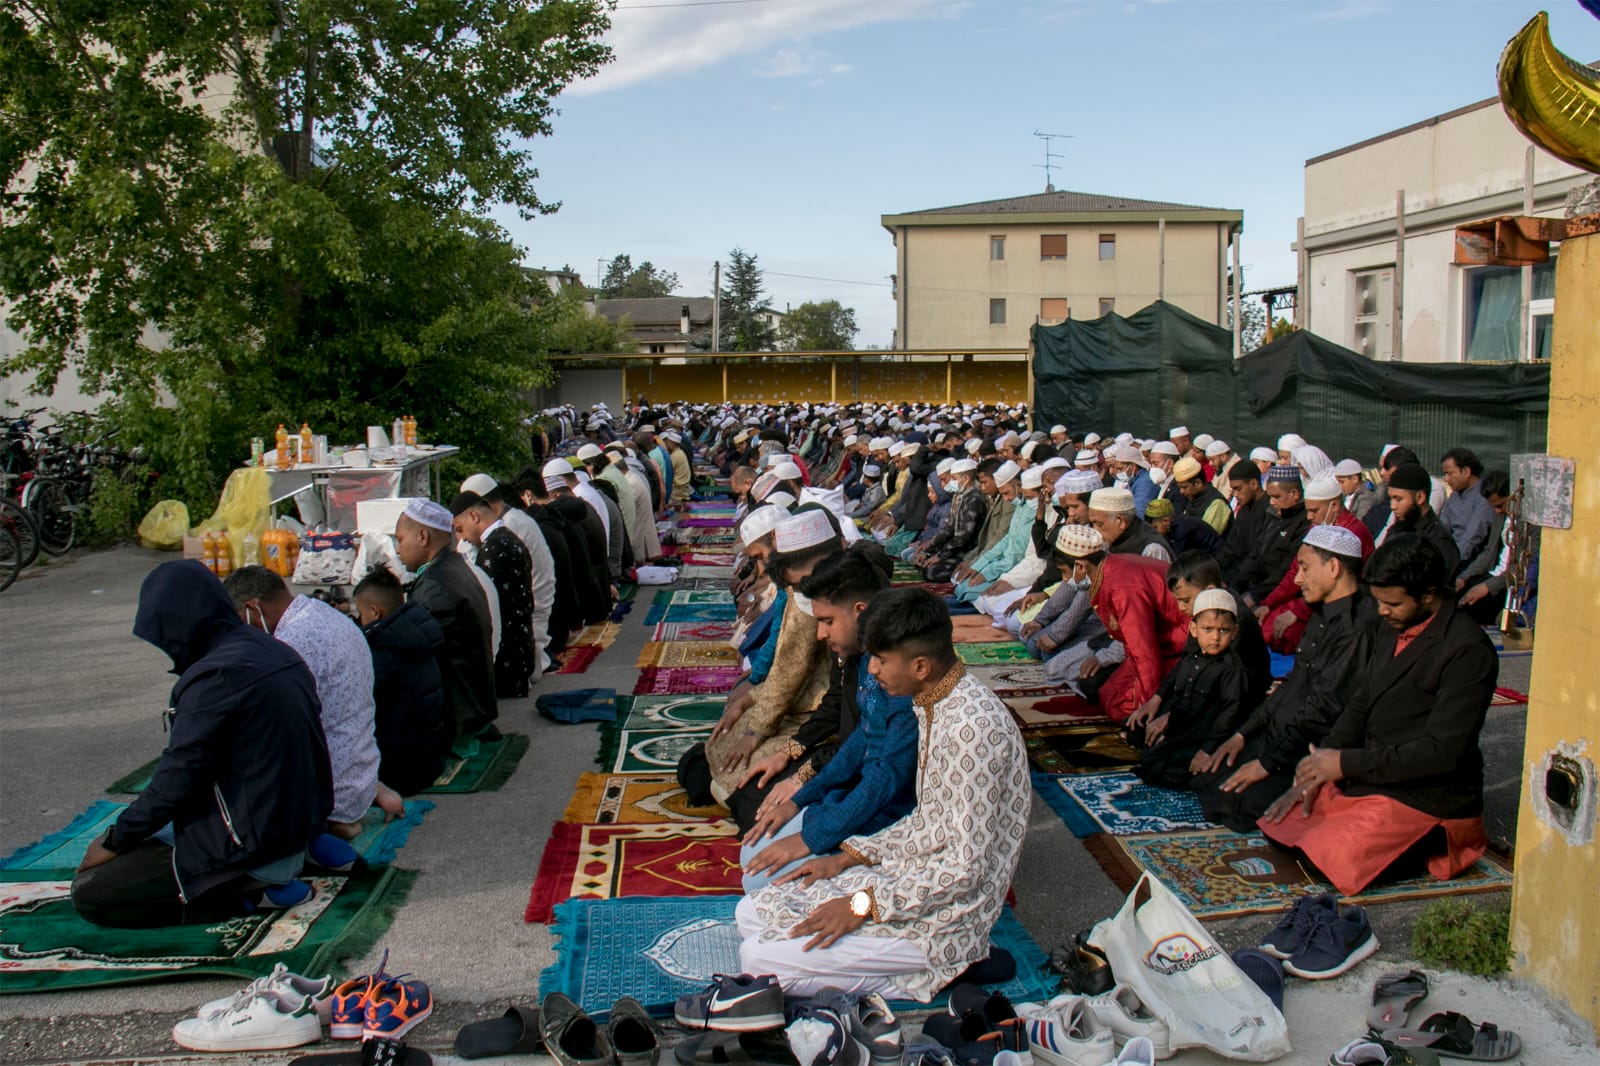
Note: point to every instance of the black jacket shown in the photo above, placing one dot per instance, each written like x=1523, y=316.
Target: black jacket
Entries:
x=1279, y=539
x=245, y=778
x=447, y=589
x=1239, y=561
x=596, y=554
x=1410, y=729
x=1189, y=533
x=914, y=497
x=566, y=612
x=1136, y=538
x=1331, y=658
x=413, y=723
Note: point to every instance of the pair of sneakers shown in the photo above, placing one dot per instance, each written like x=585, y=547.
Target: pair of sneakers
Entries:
x=376, y=1006
x=978, y=1027
x=838, y=1028
x=1319, y=939
x=1113, y=1027
x=281, y=1010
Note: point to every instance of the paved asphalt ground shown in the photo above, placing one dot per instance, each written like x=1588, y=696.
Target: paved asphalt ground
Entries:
x=80, y=705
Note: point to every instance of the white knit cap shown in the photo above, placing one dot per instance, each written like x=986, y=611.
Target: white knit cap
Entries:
x=482, y=484
x=1028, y=449
x=1032, y=477
x=850, y=440
x=762, y=487
x=1006, y=472
x=434, y=516
x=1165, y=447
x=1092, y=439
x=1078, y=541
x=1215, y=600
x=1347, y=468
x=944, y=465
x=1111, y=501
x=1323, y=488
x=760, y=522
x=1266, y=455
x=557, y=468
x=1078, y=483
x=973, y=445
x=1178, y=431
x=1055, y=462
x=1216, y=448
x=1058, y=428
x=780, y=498
x=1203, y=441
x=963, y=466
x=786, y=470
x=871, y=470
x=1335, y=539
x=1086, y=457
x=804, y=529
x=589, y=451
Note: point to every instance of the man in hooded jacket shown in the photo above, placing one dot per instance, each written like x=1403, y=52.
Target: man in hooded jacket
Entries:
x=244, y=783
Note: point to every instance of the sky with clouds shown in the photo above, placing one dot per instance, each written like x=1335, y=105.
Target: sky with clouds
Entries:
x=788, y=127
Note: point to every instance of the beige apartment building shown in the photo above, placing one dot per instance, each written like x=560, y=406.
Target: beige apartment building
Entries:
x=1378, y=239
x=980, y=275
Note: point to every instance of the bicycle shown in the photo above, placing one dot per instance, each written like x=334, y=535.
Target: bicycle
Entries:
x=20, y=525
x=11, y=563
x=35, y=461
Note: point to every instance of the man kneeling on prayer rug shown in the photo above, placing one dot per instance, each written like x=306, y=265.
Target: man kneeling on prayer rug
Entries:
x=903, y=911
x=1401, y=767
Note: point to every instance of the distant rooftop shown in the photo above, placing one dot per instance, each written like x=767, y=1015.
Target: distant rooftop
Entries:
x=1055, y=203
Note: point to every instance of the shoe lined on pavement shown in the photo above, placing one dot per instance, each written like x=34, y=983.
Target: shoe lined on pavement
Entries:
x=395, y=1007
x=284, y=983
x=570, y=1036
x=1083, y=968
x=733, y=1004
x=971, y=1040
x=1124, y=1013
x=1063, y=1032
x=634, y=1038
x=818, y=1036
x=871, y=1022
x=1393, y=997
x=347, y=1012
x=1334, y=945
x=1291, y=932
x=1373, y=1051
x=265, y=1021
x=996, y=1009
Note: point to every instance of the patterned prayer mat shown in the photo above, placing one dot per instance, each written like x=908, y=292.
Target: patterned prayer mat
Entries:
x=659, y=949
x=613, y=861
x=994, y=653
x=645, y=751
x=694, y=598
x=678, y=653
x=1221, y=874
x=1077, y=749
x=695, y=613
x=940, y=588
x=599, y=635
x=1118, y=803
x=1508, y=697
x=706, y=584
x=576, y=660
x=690, y=572
x=65, y=848
x=1016, y=680
x=634, y=799
x=709, y=557
x=486, y=770
x=693, y=631
x=694, y=711
x=906, y=574
x=978, y=629
x=45, y=946
x=676, y=680
x=1053, y=710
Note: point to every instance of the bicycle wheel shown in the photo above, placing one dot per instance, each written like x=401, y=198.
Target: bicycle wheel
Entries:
x=46, y=499
x=15, y=518
x=10, y=557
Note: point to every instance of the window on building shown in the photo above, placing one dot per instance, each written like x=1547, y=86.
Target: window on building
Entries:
x=1053, y=246
x=1108, y=304
x=1492, y=303
x=1053, y=309
x=1108, y=246
x=997, y=249
x=997, y=312
x=658, y=349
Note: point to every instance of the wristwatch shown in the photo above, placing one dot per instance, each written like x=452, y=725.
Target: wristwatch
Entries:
x=862, y=905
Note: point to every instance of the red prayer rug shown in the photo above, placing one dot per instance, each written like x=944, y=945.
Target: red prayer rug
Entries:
x=1508, y=697
x=671, y=681
x=1054, y=710
x=577, y=660
x=693, y=631
x=613, y=861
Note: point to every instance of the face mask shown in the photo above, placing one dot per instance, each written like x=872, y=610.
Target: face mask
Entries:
x=261, y=619
x=1123, y=477
x=1082, y=585
x=1157, y=475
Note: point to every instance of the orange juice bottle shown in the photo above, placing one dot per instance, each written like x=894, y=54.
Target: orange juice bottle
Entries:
x=291, y=553
x=307, y=444
x=224, y=554
x=208, y=551
x=272, y=550
x=282, y=444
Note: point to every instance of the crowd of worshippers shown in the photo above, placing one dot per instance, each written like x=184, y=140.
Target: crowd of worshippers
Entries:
x=292, y=719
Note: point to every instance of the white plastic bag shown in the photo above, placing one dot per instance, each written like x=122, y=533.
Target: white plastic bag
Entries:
x=1156, y=946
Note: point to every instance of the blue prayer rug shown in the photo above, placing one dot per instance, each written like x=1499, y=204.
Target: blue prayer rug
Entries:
x=657, y=949
x=1118, y=803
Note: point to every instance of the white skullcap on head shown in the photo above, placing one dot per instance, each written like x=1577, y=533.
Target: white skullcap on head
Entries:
x=803, y=529
x=1029, y=448
x=1006, y=472
x=1058, y=428
x=973, y=445
x=763, y=485
x=879, y=444
x=1266, y=455
x=1055, y=462
x=963, y=466
x=1312, y=459
x=1032, y=477
x=482, y=484
x=895, y=449
x=434, y=516
x=1216, y=448
x=1086, y=457
x=1203, y=441
x=850, y=440
x=1111, y=501
x=1346, y=468
x=589, y=451
x=1215, y=600
x=944, y=465
x=786, y=470
x=558, y=468
x=871, y=470
x=1078, y=483
x=760, y=522
x=1290, y=441
x=1078, y=541
x=1165, y=447
x=1323, y=487
x=582, y=476
x=1127, y=453
x=780, y=498
x=1122, y=438
x=647, y=429
x=1335, y=539
x=1093, y=438
x=1178, y=431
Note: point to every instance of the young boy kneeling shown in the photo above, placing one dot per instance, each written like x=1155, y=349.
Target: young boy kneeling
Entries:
x=1200, y=702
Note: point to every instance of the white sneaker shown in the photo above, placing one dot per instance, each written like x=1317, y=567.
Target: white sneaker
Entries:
x=286, y=984
x=264, y=1022
x=1063, y=1032
x=1138, y=1052
x=1124, y=1013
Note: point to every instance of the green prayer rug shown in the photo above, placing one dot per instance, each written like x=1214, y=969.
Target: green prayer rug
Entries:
x=46, y=947
x=669, y=712
x=994, y=653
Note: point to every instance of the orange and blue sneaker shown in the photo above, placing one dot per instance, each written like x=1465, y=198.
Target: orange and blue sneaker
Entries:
x=348, y=1015
x=396, y=1007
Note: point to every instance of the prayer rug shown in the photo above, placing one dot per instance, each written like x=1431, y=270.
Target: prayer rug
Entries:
x=575, y=660
x=1077, y=749
x=627, y=590
x=706, y=523
x=707, y=558
x=677, y=680
x=659, y=949
x=1508, y=697
x=1119, y=803
x=1221, y=874
x=634, y=799
x=613, y=861
x=579, y=705
x=1016, y=680
x=486, y=770
x=65, y=848
x=45, y=946
x=978, y=629
x=906, y=574
x=695, y=711
x=691, y=572
x=599, y=635
x=994, y=654
x=1054, y=710
x=693, y=613
x=646, y=751
x=706, y=584
x=693, y=631
x=940, y=588
x=693, y=598
x=679, y=653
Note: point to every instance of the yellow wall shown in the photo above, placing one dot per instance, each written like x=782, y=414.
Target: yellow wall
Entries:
x=880, y=381
x=1555, y=927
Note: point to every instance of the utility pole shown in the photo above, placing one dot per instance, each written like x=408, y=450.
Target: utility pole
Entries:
x=716, y=306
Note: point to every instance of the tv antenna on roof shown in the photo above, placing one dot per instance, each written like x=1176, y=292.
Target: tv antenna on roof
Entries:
x=1050, y=157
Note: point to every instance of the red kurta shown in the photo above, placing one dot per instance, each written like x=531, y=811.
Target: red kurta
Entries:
x=1137, y=608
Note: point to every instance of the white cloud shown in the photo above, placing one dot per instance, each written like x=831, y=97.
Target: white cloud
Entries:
x=660, y=42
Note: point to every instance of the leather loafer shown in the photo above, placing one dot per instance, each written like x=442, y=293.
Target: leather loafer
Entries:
x=571, y=1036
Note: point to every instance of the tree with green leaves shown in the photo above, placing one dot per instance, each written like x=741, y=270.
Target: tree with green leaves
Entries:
x=623, y=280
x=230, y=215
x=744, y=327
x=822, y=326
